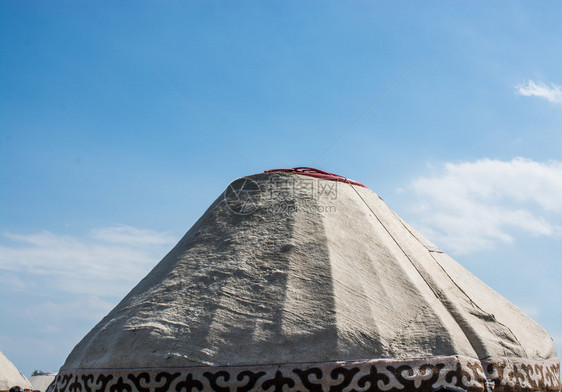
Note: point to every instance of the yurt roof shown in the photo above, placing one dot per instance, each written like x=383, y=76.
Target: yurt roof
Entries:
x=41, y=382
x=10, y=376
x=293, y=281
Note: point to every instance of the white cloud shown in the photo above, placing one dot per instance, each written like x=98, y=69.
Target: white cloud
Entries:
x=474, y=205
x=50, y=329
x=86, y=307
x=127, y=235
x=103, y=263
x=64, y=284
x=552, y=93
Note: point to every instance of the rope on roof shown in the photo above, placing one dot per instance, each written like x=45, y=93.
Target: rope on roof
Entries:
x=312, y=172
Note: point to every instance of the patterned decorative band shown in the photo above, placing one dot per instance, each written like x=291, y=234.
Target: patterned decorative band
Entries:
x=380, y=375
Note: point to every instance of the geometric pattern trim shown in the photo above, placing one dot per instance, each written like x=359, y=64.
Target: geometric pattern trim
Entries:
x=378, y=375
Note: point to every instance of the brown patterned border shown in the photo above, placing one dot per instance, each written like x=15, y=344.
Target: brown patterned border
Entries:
x=381, y=375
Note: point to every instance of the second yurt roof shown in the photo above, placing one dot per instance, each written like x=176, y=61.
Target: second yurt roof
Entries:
x=41, y=382
x=10, y=376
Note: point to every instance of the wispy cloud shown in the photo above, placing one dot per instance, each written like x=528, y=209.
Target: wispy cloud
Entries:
x=85, y=307
x=474, y=205
x=127, y=235
x=67, y=283
x=105, y=261
x=552, y=93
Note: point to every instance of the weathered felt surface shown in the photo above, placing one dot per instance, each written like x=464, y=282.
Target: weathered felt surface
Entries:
x=306, y=276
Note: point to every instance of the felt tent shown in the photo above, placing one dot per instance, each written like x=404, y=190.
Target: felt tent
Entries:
x=301, y=280
x=10, y=376
x=42, y=381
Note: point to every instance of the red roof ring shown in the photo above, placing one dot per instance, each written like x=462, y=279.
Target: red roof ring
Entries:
x=311, y=172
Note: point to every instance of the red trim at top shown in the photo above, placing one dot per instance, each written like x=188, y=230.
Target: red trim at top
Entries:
x=311, y=172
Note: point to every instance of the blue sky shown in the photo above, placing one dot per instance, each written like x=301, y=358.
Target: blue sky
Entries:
x=103, y=167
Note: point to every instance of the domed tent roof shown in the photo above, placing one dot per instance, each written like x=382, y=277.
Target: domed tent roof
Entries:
x=309, y=282
x=10, y=376
x=42, y=381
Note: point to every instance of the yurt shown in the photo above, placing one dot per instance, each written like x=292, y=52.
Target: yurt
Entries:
x=10, y=376
x=42, y=381
x=303, y=280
